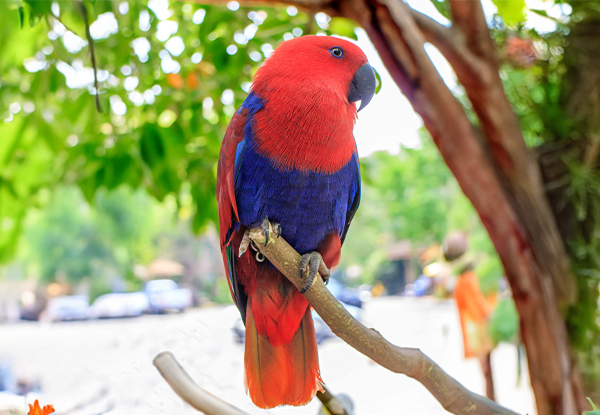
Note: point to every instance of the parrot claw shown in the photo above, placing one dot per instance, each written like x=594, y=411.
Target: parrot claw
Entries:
x=313, y=261
x=276, y=229
x=266, y=226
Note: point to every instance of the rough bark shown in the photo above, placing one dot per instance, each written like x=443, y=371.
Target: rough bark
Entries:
x=492, y=165
x=501, y=181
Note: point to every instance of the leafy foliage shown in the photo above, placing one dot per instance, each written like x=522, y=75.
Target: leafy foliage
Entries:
x=504, y=322
x=170, y=77
x=549, y=78
x=443, y=7
x=512, y=12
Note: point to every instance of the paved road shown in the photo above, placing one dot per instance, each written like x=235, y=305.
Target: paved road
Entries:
x=105, y=367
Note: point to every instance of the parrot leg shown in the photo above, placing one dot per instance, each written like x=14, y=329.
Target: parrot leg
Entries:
x=313, y=261
x=247, y=242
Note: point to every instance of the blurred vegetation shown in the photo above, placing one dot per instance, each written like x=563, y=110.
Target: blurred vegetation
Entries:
x=413, y=196
x=98, y=246
x=551, y=78
x=169, y=80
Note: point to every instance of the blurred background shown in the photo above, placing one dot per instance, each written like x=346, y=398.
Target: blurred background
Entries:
x=108, y=244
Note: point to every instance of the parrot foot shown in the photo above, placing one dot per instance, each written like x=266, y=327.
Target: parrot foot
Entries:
x=266, y=226
x=313, y=261
x=247, y=242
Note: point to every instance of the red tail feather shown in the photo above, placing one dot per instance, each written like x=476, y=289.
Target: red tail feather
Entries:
x=287, y=374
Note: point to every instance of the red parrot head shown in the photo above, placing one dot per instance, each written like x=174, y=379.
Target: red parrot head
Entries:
x=319, y=64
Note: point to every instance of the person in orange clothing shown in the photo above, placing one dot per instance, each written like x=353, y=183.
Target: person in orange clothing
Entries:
x=474, y=311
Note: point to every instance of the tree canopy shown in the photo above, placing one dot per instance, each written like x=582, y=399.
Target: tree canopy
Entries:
x=168, y=76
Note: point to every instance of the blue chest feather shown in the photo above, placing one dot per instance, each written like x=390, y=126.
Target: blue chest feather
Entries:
x=308, y=205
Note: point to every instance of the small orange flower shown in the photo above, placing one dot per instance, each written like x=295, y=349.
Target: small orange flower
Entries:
x=36, y=410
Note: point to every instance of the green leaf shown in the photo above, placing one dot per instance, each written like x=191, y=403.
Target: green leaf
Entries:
x=542, y=13
x=34, y=18
x=151, y=146
x=443, y=7
x=511, y=11
x=504, y=322
x=343, y=27
x=594, y=411
x=40, y=7
x=21, y=16
x=378, y=79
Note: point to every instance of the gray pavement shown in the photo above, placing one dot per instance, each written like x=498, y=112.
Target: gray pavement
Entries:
x=105, y=367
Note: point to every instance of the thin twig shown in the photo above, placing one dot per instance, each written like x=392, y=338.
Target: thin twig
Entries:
x=453, y=396
x=184, y=386
x=84, y=14
x=188, y=390
x=331, y=402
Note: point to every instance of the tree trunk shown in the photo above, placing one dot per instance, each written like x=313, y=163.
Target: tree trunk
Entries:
x=486, y=368
x=494, y=169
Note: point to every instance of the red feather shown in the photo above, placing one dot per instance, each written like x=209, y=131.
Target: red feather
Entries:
x=284, y=373
x=225, y=182
x=225, y=173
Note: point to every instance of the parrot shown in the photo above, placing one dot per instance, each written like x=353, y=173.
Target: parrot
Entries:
x=289, y=159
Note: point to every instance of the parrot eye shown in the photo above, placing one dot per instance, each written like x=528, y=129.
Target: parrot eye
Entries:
x=337, y=52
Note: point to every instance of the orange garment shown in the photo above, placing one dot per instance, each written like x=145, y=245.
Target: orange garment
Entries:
x=473, y=311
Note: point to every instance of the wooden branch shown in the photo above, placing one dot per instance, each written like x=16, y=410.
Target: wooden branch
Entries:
x=516, y=167
x=188, y=390
x=454, y=397
x=451, y=43
x=311, y=7
x=468, y=17
x=84, y=15
x=331, y=402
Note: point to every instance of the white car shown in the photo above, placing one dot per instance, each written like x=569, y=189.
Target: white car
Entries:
x=120, y=305
x=165, y=295
x=67, y=308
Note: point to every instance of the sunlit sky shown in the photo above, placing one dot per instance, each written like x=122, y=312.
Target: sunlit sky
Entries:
x=386, y=124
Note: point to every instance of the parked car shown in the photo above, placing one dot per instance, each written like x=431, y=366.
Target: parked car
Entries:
x=67, y=308
x=165, y=295
x=120, y=305
x=347, y=296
